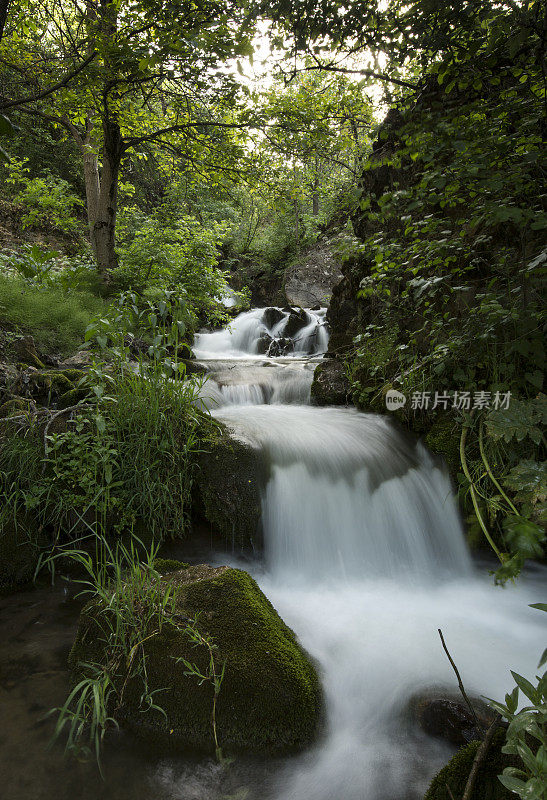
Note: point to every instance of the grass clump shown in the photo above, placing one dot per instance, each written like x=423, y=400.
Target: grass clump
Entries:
x=271, y=699
x=57, y=320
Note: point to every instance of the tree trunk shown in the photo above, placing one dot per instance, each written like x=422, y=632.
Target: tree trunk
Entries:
x=103, y=226
x=315, y=189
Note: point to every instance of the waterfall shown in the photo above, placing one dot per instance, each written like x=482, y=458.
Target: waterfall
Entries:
x=349, y=495
x=365, y=558
x=267, y=332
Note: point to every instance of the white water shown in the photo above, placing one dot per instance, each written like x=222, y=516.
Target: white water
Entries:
x=365, y=559
x=244, y=336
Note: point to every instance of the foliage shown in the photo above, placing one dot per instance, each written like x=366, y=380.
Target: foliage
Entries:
x=47, y=201
x=56, y=320
x=177, y=253
x=450, y=223
x=131, y=605
x=527, y=733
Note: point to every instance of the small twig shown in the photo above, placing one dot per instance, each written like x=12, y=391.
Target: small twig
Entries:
x=480, y=755
x=460, y=684
x=448, y=789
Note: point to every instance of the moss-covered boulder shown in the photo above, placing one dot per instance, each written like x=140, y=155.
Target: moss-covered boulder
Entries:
x=270, y=698
x=19, y=550
x=330, y=385
x=455, y=774
x=229, y=479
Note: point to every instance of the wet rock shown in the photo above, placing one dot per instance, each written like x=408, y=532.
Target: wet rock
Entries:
x=228, y=483
x=445, y=715
x=298, y=319
x=270, y=698
x=451, y=781
x=263, y=344
x=193, y=367
x=272, y=316
x=280, y=347
x=330, y=385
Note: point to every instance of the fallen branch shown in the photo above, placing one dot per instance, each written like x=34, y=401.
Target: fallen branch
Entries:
x=460, y=684
x=480, y=755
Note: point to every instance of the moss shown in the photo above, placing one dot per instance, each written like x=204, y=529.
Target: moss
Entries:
x=17, y=405
x=165, y=565
x=270, y=699
x=456, y=773
x=443, y=438
x=229, y=481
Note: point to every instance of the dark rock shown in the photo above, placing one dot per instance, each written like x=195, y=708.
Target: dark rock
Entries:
x=445, y=715
x=263, y=344
x=298, y=319
x=193, y=367
x=330, y=385
x=272, y=316
x=228, y=482
x=280, y=347
x=270, y=698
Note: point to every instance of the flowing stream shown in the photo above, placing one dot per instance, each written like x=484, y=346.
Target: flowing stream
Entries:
x=365, y=559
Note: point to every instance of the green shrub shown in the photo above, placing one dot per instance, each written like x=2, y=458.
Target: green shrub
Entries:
x=47, y=200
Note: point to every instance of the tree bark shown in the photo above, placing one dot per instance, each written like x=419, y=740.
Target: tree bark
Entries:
x=315, y=190
x=4, y=5
x=103, y=224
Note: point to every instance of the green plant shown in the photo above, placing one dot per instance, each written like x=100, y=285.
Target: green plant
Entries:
x=527, y=733
x=56, y=320
x=131, y=605
x=46, y=200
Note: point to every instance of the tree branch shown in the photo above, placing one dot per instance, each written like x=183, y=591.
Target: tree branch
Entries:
x=51, y=89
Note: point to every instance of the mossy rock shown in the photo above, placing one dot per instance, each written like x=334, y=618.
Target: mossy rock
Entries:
x=15, y=406
x=456, y=772
x=229, y=480
x=330, y=385
x=443, y=438
x=270, y=698
x=165, y=565
x=19, y=550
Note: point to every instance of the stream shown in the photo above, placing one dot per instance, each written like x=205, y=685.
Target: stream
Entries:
x=364, y=559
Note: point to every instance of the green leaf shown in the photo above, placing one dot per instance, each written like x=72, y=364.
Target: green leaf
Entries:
x=529, y=690
x=523, y=536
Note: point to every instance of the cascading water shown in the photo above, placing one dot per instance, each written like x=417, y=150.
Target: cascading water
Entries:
x=365, y=559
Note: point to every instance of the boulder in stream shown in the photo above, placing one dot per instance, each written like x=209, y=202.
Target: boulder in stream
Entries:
x=330, y=385
x=229, y=480
x=270, y=698
x=445, y=715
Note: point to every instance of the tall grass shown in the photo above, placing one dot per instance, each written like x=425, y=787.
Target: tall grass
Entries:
x=57, y=320
x=130, y=606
